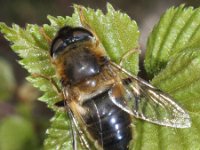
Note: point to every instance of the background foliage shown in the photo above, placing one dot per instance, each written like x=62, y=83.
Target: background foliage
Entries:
x=172, y=55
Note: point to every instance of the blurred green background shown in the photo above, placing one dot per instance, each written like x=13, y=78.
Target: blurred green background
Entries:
x=23, y=119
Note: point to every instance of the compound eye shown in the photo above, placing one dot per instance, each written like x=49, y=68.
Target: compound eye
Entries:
x=69, y=36
x=58, y=43
x=82, y=33
x=57, y=46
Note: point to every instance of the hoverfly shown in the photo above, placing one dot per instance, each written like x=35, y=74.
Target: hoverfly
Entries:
x=101, y=97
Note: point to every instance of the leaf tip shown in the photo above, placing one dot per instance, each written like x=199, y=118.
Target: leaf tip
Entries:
x=78, y=8
x=51, y=19
x=3, y=27
x=109, y=7
x=2, y=24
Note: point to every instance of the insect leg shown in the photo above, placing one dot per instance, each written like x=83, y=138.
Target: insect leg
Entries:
x=84, y=22
x=128, y=53
x=51, y=80
x=74, y=134
x=100, y=123
x=48, y=39
x=82, y=17
x=127, y=82
x=76, y=129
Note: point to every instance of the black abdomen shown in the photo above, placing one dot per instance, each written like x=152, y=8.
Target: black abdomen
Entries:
x=107, y=123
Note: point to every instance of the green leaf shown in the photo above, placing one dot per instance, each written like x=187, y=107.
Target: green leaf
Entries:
x=118, y=34
x=7, y=80
x=116, y=31
x=59, y=136
x=32, y=47
x=180, y=79
x=17, y=133
x=173, y=53
x=177, y=28
x=174, y=48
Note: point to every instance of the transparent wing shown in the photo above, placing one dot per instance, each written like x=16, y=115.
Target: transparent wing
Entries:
x=77, y=137
x=146, y=102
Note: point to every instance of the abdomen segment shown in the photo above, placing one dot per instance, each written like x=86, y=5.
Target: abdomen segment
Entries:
x=107, y=123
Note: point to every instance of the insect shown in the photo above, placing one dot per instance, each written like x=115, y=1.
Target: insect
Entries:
x=102, y=98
